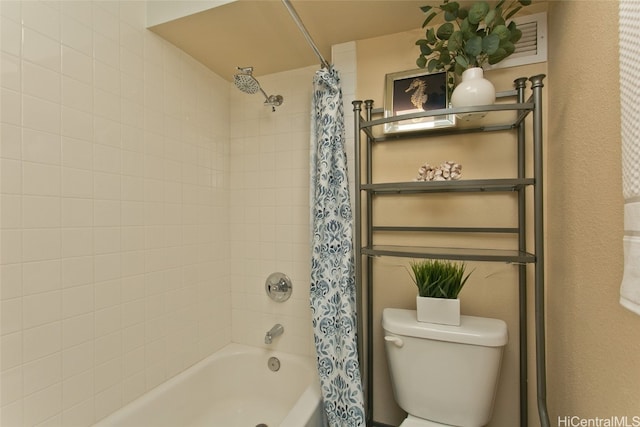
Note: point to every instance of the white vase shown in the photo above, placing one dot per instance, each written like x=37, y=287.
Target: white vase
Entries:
x=473, y=90
x=438, y=310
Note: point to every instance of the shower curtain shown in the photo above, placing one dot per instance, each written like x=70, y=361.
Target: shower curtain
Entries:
x=333, y=302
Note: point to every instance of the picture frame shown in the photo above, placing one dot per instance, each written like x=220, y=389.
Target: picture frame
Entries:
x=414, y=91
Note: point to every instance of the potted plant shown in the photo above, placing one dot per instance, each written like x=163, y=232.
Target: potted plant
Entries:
x=439, y=282
x=469, y=38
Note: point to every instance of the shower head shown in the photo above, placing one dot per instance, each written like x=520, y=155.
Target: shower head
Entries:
x=245, y=81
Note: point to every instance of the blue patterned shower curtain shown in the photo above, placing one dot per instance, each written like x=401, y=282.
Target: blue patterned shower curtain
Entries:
x=333, y=299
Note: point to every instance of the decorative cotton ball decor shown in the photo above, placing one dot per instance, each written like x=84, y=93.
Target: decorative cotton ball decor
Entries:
x=445, y=172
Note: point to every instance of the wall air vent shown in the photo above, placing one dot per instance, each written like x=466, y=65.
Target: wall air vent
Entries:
x=532, y=47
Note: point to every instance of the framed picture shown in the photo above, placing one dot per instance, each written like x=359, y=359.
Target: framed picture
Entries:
x=415, y=91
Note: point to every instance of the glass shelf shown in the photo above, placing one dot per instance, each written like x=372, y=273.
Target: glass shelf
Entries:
x=499, y=117
x=463, y=185
x=468, y=254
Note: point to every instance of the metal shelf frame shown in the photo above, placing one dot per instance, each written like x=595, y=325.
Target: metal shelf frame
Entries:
x=366, y=250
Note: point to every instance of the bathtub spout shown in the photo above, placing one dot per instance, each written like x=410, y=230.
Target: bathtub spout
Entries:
x=277, y=330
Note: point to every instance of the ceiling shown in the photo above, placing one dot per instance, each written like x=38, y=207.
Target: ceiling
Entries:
x=262, y=34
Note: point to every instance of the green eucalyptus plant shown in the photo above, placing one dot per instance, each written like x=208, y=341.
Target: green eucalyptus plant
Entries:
x=469, y=36
x=439, y=278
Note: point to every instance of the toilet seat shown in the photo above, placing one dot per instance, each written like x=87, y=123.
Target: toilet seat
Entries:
x=412, y=421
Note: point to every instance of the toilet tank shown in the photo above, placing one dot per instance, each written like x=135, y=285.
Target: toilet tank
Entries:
x=447, y=374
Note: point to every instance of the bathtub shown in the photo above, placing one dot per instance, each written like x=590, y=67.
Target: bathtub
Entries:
x=232, y=388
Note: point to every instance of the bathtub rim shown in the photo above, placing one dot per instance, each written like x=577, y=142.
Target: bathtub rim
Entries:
x=305, y=405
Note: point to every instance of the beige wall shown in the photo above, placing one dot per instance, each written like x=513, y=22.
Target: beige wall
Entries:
x=592, y=341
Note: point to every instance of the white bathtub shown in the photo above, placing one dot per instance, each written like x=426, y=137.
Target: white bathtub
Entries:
x=232, y=388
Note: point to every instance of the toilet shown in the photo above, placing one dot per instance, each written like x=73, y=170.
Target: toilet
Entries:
x=443, y=375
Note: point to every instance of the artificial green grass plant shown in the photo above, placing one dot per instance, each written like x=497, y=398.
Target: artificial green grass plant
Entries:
x=439, y=278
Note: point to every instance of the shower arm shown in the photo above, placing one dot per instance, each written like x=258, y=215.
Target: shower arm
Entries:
x=266, y=97
x=305, y=33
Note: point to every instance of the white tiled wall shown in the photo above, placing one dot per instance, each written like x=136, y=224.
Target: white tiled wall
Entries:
x=114, y=210
x=270, y=228
x=345, y=61
x=269, y=210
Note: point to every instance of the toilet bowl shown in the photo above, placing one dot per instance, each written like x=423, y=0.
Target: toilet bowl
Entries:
x=443, y=375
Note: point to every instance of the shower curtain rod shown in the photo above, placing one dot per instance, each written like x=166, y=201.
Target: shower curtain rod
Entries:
x=302, y=28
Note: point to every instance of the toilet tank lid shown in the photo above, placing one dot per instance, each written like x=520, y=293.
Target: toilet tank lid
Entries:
x=472, y=330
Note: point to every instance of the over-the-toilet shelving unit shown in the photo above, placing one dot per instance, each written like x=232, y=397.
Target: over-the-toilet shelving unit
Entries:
x=519, y=108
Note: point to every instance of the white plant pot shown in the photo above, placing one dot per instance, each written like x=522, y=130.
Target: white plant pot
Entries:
x=472, y=91
x=438, y=310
